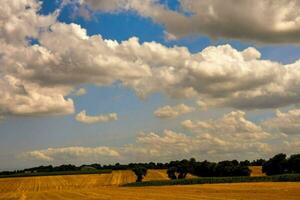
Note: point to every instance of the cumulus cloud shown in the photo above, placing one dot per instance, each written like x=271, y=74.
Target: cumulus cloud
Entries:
x=35, y=79
x=231, y=136
x=19, y=20
x=28, y=99
x=173, y=111
x=231, y=126
x=170, y=145
x=157, y=147
x=222, y=76
x=72, y=154
x=287, y=123
x=84, y=118
x=80, y=92
x=261, y=21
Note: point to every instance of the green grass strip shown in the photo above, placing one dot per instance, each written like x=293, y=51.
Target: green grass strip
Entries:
x=211, y=180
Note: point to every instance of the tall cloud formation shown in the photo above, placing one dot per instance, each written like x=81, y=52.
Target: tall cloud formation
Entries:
x=264, y=21
x=84, y=118
x=173, y=111
x=36, y=79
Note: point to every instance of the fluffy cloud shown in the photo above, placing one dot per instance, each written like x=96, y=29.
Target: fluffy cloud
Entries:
x=287, y=123
x=19, y=20
x=231, y=126
x=173, y=111
x=172, y=145
x=83, y=118
x=229, y=137
x=80, y=92
x=35, y=79
x=221, y=76
x=72, y=154
x=261, y=21
x=24, y=98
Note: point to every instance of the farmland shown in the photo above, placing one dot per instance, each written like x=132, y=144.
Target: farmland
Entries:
x=106, y=186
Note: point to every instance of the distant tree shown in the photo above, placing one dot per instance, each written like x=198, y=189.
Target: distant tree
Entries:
x=97, y=166
x=184, y=166
x=245, y=163
x=172, y=172
x=204, y=169
x=151, y=165
x=258, y=162
x=294, y=163
x=276, y=165
x=231, y=168
x=161, y=166
x=140, y=172
x=182, y=171
x=224, y=168
x=192, y=160
x=242, y=171
x=66, y=168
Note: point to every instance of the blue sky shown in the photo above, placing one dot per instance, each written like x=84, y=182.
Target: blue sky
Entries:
x=20, y=134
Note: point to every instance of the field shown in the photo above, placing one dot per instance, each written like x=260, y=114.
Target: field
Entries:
x=106, y=186
x=55, y=173
x=256, y=171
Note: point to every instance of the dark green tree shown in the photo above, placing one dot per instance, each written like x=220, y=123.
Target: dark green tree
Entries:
x=294, y=163
x=172, y=172
x=182, y=171
x=276, y=165
x=140, y=172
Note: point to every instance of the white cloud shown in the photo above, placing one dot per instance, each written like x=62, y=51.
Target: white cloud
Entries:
x=73, y=154
x=39, y=155
x=19, y=20
x=229, y=137
x=66, y=57
x=173, y=111
x=83, y=118
x=256, y=20
x=80, y=92
x=232, y=126
x=287, y=123
x=24, y=98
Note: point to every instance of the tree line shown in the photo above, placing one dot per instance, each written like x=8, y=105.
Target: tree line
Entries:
x=279, y=164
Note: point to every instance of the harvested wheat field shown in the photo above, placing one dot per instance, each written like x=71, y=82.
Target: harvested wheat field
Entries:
x=256, y=171
x=106, y=186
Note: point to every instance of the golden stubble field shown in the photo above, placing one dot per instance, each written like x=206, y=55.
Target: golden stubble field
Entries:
x=107, y=186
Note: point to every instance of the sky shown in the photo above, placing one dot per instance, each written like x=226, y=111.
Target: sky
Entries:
x=98, y=81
